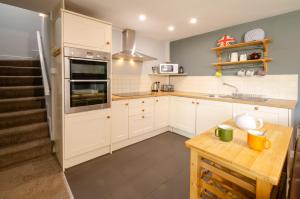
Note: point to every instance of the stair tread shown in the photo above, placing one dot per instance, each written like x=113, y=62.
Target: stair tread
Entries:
x=19, y=87
x=23, y=128
x=21, y=67
x=19, y=113
x=22, y=99
x=24, y=146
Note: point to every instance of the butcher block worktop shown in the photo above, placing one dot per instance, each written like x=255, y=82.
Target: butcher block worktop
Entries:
x=264, y=168
x=279, y=103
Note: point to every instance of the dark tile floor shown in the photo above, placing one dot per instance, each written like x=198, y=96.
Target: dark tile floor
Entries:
x=157, y=168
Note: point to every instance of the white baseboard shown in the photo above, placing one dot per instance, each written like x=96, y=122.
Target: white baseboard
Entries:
x=181, y=132
x=67, y=186
x=13, y=57
x=130, y=141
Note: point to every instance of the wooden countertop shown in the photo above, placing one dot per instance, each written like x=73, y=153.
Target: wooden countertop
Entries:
x=279, y=103
x=236, y=155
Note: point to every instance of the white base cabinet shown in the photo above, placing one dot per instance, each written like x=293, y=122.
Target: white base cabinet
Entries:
x=211, y=113
x=85, y=132
x=183, y=114
x=161, y=112
x=267, y=114
x=120, y=120
x=141, y=116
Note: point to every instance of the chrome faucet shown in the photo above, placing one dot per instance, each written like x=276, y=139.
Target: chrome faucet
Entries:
x=232, y=86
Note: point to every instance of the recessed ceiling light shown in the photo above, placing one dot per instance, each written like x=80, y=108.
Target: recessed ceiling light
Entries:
x=193, y=20
x=142, y=17
x=171, y=28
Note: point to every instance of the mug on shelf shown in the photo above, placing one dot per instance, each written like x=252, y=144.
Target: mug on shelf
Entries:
x=234, y=57
x=241, y=73
x=243, y=57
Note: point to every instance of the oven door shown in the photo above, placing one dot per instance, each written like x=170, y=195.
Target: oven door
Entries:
x=85, y=95
x=80, y=68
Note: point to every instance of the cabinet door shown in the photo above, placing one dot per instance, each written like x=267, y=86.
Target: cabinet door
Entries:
x=211, y=113
x=86, y=32
x=86, y=132
x=267, y=114
x=183, y=114
x=119, y=120
x=161, y=112
x=140, y=124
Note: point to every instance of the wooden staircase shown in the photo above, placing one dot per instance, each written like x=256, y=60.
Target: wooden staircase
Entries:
x=24, y=132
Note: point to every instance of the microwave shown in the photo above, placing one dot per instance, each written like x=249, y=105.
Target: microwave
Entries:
x=168, y=68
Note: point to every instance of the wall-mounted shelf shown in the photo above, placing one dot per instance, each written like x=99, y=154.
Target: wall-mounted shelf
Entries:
x=169, y=74
x=243, y=62
x=245, y=44
x=264, y=61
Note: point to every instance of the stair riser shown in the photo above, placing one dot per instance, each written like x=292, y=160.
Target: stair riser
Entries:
x=20, y=81
x=20, y=72
x=24, y=136
x=10, y=122
x=20, y=63
x=23, y=105
x=35, y=92
x=7, y=160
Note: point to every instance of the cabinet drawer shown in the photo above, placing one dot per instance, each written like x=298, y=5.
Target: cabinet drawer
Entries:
x=140, y=124
x=142, y=101
x=143, y=109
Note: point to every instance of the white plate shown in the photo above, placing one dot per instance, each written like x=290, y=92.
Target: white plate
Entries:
x=254, y=35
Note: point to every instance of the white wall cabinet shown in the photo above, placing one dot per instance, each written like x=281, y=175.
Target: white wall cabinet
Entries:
x=161, y=112
x=268, y=114
x=211, y=113
x=183, y=114
x=86, y=32
x=141, y=116
x=120, y=120
x=86, y=132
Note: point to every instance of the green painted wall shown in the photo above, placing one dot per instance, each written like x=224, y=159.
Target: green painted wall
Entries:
x=194, y=53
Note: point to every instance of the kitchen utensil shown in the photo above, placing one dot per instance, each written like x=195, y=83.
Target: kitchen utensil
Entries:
x=255, y=34
x=257, y=140
x=155, y=86
x=250, y=72
x=255, y=55
x=247, y=122
x=181, y=70
x=261, y=73
x=234, y=57
x=167, y=88
x=243, y=57
x=241, y=73
x=224, y=132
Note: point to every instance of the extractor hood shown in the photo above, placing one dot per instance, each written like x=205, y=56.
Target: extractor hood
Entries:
x=129, y=49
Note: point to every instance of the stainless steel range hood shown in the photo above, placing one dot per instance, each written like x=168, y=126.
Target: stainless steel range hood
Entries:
x=129, y=49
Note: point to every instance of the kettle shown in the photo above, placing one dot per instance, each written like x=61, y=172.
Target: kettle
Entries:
x=247, y=122
x=155, y=86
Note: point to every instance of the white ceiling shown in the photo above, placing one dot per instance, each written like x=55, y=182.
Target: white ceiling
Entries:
x=211, y=14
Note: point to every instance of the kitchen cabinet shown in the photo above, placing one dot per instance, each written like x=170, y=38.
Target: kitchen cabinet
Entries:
x=141, y=116
x=183, y=114
x=86, y=32
x=267, y=114
x=161, y=112
x=211, y=113
x=120, y=120
x=85, y=132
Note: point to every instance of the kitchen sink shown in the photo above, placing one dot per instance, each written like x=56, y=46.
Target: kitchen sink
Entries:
x=241, y=96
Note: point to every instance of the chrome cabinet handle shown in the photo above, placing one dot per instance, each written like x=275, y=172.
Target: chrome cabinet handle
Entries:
x=143, y=102
x=143, y=117
x=193, y=102
x=108, y=117
x=126, y=104
x=256, y=108
x=143, y=110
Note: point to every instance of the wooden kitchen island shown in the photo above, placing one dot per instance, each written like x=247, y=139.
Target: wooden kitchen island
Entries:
x=233, y=170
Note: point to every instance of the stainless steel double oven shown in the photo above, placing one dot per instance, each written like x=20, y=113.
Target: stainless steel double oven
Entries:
x=87, y=80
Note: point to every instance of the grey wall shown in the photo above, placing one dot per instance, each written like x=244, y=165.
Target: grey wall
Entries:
x=18, y=32
x=194, y=53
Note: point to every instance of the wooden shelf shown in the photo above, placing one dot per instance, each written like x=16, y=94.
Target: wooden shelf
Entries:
x=242, y=62
x=244, y=44
x=169, y=74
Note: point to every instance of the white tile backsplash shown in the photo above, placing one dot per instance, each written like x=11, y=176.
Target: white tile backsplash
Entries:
x=272, y=86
